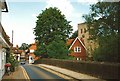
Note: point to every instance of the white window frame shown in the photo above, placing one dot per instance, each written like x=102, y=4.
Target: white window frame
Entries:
x=77, y=49
x=31, y=51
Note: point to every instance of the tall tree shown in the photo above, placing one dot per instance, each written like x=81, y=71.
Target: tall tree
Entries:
x=74, y=35
x=58, y=50
x=51, y=24
x=103, y=25
x=24, y=46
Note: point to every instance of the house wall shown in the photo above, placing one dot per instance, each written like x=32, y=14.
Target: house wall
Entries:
x=2, y=61
x=0, y=47
x=31, y=50
x=1, y=7
x=84, y=34
x=3, y=43
x=0, y=10
x=31, y=54
x=31, y=59
x=82, y=54
x=0, y=14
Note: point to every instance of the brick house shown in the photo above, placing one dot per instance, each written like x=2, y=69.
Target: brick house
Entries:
x=77, y=48
x=17, y=52
x=32, y=56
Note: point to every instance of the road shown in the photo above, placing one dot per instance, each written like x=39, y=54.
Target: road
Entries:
x=38, y=74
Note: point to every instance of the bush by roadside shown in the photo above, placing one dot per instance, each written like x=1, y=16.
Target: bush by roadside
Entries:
x=14, y=63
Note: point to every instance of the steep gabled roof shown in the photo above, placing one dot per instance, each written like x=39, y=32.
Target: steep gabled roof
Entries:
x=33, y=46
x=69, y=41
x=5, y=6
x=80, y=40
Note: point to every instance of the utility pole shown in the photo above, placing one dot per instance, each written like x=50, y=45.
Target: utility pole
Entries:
x=12, y=36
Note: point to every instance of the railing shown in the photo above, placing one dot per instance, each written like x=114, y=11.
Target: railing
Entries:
x=4, y=35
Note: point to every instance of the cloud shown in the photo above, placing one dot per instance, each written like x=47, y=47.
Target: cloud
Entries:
x=64, y=5
x=87, y=2
x=25, y=0
x=68, y=10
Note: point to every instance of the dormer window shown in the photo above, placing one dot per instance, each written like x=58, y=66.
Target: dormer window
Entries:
x=77, y=49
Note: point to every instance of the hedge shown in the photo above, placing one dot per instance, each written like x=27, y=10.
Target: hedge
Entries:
x=97, y=69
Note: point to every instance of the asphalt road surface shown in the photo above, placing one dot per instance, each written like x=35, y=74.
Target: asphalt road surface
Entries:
x=38, y=74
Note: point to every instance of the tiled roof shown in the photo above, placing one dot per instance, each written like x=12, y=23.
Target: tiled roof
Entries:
x=33, y=46
x=5, y=7
x=32, y=54
x=69, y=41
x=4, y=35
x=17, y=51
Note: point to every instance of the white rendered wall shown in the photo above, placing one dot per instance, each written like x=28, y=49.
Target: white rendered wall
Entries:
x=0, y=10
x=31, y=51
x=0, y=63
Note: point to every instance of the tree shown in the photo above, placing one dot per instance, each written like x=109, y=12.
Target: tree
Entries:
x=41, y=51
x=103, y=25
x=74, y=35
x=50, y=25
x=24, y=46
x=14, y=63
x=58, y=50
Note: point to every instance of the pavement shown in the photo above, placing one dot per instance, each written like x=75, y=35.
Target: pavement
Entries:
x=69, y=74
x=20, y=74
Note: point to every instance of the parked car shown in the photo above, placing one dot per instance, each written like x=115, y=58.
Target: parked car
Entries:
x=22, y=63
x=31, y=60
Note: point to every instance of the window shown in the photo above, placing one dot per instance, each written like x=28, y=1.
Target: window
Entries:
x=83, y=36
x=77, y=49
x=81, y=30
x=85, y=30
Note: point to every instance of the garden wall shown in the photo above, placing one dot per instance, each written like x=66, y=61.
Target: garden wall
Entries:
x=97, y=69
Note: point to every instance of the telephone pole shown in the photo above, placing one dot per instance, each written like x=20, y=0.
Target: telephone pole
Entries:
x=12, y=36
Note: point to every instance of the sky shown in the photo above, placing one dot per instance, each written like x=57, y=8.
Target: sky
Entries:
x=22, y=14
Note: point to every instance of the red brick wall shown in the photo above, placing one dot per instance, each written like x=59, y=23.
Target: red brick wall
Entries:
x=81, y=54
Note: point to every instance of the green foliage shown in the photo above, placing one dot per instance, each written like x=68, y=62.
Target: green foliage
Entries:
x=74, y=35
x=14, y=63
x=57, y=49
x=24, y=46
x=103, y=25
x=104, y=19
x=109, y=50
x=50, y=25
x=41, y=51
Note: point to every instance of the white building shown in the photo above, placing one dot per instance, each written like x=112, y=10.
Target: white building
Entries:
x=4, y=40
x=32, y=56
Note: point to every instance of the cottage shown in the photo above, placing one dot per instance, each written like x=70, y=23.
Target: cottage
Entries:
x=4, y=40
x=32, y=56
x=17, y=52
x=77, y=48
